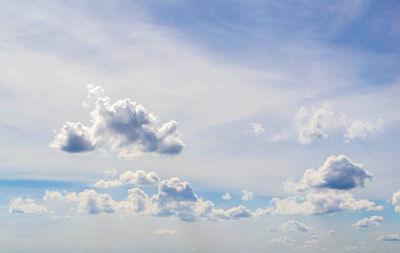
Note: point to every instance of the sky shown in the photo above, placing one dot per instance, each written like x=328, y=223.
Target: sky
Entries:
x=200, y=126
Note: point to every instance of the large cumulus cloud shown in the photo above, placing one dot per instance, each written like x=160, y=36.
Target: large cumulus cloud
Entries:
x=396, y=201
x=124, y=127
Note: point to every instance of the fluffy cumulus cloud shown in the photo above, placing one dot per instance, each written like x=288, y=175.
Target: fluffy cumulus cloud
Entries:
x=165, y=232
x=138, y=177
x=247, y=195
x=284, y=240
x=292, y=226
x=337, y=172
x=174, y=198
x=313, y=124
x=325, y=190
x=389, y=237
x=396, y=201
x=19, y=205
x=369, y=222
x=124, y=127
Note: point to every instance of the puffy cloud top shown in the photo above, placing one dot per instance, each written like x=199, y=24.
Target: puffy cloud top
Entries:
x=138, y=177
x=369, y=222
x=338, y=172
x=124, y=126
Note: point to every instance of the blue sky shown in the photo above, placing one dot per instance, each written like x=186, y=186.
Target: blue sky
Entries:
x=124, y=123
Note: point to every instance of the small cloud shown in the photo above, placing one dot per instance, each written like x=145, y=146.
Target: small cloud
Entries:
x=396, y=201
x=292, y=226
x=138, y=177
x=165, y=232
x=226, y=196
x=389, y=237
x=19, y=205
x=257, y=128
x=247, y=195
x=284, y=240
x=369, y=222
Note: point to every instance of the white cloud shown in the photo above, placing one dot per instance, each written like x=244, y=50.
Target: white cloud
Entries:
x=318, y=203
x=313, y=124
x=369, y=222
x=396, y=201
x=318, y=123
x=325, y=190
x=389, y=237
x=247, y=195
x=361, y=129
x=292, y=226
x=174, y=198
x=284, y=240
x=337, y=172
x=138, y=177
x=226, y=196
x=19, y=205
x=165, y=232
x=257, y=128
x=124, y=127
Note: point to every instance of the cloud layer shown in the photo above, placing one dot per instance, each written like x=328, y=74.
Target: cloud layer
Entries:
x=138, y=177
x=124, y=127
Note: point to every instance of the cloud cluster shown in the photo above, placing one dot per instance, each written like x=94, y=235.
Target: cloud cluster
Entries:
x=292, y=226
x=369, y=222
x=325, y=190
x=174, y=198
x=124, y=127
x=19, y=205
x=396, y=201
x=138, y=177
x=318, y=123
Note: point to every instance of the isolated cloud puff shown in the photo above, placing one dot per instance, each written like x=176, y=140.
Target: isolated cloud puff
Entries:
x=337, y=172
x=124, y=127
x=284, y=240
x=389, y=237
x=165, y=232
x=369, y=222
x=313, y=124
x=174, y=198
x=256, y=128
x=19, y=205
x=325, y=190
x=226, y=196
x=138, y=177
x=292, y=226
x=396, y=201
x=247, y=195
